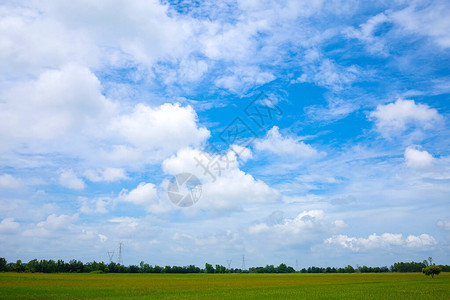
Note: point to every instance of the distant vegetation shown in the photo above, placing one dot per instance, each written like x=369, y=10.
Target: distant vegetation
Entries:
x=75, y=266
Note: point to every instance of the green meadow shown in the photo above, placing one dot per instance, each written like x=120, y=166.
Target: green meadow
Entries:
x=230, y=286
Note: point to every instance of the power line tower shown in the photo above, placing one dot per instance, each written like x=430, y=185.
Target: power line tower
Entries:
x=229, y=263
x=243, y=262
x=111, y=255
x=119, y=259
x=296, y=265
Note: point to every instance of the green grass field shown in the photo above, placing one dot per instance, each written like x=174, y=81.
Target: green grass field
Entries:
x=229, y=286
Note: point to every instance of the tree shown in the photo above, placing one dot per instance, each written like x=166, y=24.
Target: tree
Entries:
x=431, y=270
x=220, y=269
x=349, y=269
x=19, y=267
x=209, y=268
x=282, y=268
x=3, y=264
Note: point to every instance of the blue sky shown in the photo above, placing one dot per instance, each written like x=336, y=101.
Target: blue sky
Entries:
x=103, y=103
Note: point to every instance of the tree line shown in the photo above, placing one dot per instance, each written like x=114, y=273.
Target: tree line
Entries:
x=76, y=266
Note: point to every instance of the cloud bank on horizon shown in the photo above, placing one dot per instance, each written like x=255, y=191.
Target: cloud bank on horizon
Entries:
x=103, y=102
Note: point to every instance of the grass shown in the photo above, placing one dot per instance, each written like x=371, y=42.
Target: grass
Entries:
x=229, y=286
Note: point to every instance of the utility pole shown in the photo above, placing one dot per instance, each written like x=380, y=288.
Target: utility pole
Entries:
x=111, y=255
x=119, y=259
x=229, y=263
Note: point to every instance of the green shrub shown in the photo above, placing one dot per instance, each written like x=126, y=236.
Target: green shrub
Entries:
x=431, y=270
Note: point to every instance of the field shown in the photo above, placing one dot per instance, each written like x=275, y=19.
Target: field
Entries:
x=230, y=286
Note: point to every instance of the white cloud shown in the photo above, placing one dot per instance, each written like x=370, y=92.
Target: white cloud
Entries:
x=141, y=30
x=243, y=153
x=52, y=226
x=385, y=241
x=421, y=241
x=107, y=174
x=241, y=79
x=64, y=63
x=417, y=159
x=327, y=73
x=189, y=70
x=275, y=143
x=234, y=190
x=58, y=105
x=305, y=223
x=444, y=224
x=133, y=222
x=124, y=226
x=335, y=110
x=9, y=182
x=63, y=111
x=227, y=189
x=145, y=195
x=395, y=118
x=259, y=228
x=374, y=44
x=103, y=238
x=32, y=42
x=190, y=160
x=429, y=20
x=70, y=180
x=8, y=226
x=96, y=205
x=168, y=127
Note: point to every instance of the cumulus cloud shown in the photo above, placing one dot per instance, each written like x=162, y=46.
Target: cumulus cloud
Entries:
x=395, y=118
x=385, y=241
x=52, y=226
x=64, y=111
x=33, y=42
x=146, y=196
x=444, y=224
x=59, y=103
x=145, y=32
x=243, y=153
x=225, y=186
x=313, y=222
x=200, y=163
x=303, y=230
x=143, y=194
x=83, y=84
x=70, y=180
x=235, y=190
x=168, y=127
x=275, y=143
x=417, y=159
x=8, y=226
x=9, y=182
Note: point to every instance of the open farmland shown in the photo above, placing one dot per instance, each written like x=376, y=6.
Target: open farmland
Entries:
x=231, y=286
